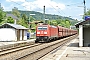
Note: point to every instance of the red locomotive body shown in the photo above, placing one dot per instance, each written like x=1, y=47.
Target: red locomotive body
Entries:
x=45, y=33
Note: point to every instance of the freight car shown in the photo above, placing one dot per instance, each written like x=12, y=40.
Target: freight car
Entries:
x=46, y=32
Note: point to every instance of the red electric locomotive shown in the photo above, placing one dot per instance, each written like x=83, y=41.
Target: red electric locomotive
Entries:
x=45, y=33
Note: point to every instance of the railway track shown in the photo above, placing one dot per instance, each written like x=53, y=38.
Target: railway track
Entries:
x=17, y=48
x=35, y=51
x=39, y=53
x=14, y=46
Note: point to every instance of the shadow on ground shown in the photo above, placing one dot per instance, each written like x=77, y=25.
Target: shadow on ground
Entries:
x=73, y=45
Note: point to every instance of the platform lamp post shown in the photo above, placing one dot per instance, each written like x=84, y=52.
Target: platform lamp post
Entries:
x=30, y=24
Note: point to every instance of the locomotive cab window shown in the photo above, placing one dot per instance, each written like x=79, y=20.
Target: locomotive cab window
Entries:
x=42, y=27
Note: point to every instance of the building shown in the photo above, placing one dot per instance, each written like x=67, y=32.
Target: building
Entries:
x=12, y=32
x=14, y=17
x=84, y=33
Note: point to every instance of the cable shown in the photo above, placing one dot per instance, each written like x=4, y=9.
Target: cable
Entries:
x=21, y=5
x=74, y=4
x=40, y=8
x=54, y=8
x=17, y=3
x=60, y=9
x=34, y=5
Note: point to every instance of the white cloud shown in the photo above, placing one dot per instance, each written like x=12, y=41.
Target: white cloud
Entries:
x=38, y=4
x=26, y=5
x=8, y=8
x=16, y=0
x=52, y=7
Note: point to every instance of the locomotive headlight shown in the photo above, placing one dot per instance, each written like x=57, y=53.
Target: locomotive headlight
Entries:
x=45, y=32
x=38, y=32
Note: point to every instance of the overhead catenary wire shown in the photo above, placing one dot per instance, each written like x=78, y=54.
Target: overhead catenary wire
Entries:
x=54, y=8
x=61, y=10
x=51, y=6
x=74, y=4
x=21, y=5
x=48, y=3
x=17, y=3
x=34, y=5
x=65, y=5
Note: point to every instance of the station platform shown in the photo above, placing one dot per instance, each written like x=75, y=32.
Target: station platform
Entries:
x=7, y=44
x=70, y=51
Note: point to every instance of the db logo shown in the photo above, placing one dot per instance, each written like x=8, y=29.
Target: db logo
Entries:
x=41, y=32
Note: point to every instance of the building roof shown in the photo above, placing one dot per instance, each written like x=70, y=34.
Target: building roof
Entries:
x=16, y=26
x=11, y=15
x=85, y=22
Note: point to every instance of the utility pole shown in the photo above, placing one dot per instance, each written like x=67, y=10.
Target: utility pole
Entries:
x=84, y=8
x=44, y=14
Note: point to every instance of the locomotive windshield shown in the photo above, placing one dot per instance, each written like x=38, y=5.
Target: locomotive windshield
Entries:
x=42, y=27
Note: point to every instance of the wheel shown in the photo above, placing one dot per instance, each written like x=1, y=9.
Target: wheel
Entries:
x=36, y=41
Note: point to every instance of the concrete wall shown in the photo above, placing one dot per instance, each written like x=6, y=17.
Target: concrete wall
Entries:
x=20, y=34
x=86, y=36
x=25, y=34
x=7, y=34
x=10, y=34
x=80, y=35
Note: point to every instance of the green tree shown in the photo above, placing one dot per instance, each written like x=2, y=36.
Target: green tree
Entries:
x=2, y=15
x=24, y=17
x=58, y=21
x=48, y=22
x=22, y=22
x=67, y=24
x=16, y=12
x=53, y=22
x=10, y=20
x=87, y=13
x=31, y=19
x=59, y=25
x=62, y=22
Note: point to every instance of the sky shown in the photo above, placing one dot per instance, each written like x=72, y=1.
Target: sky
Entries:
x=68, y=8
